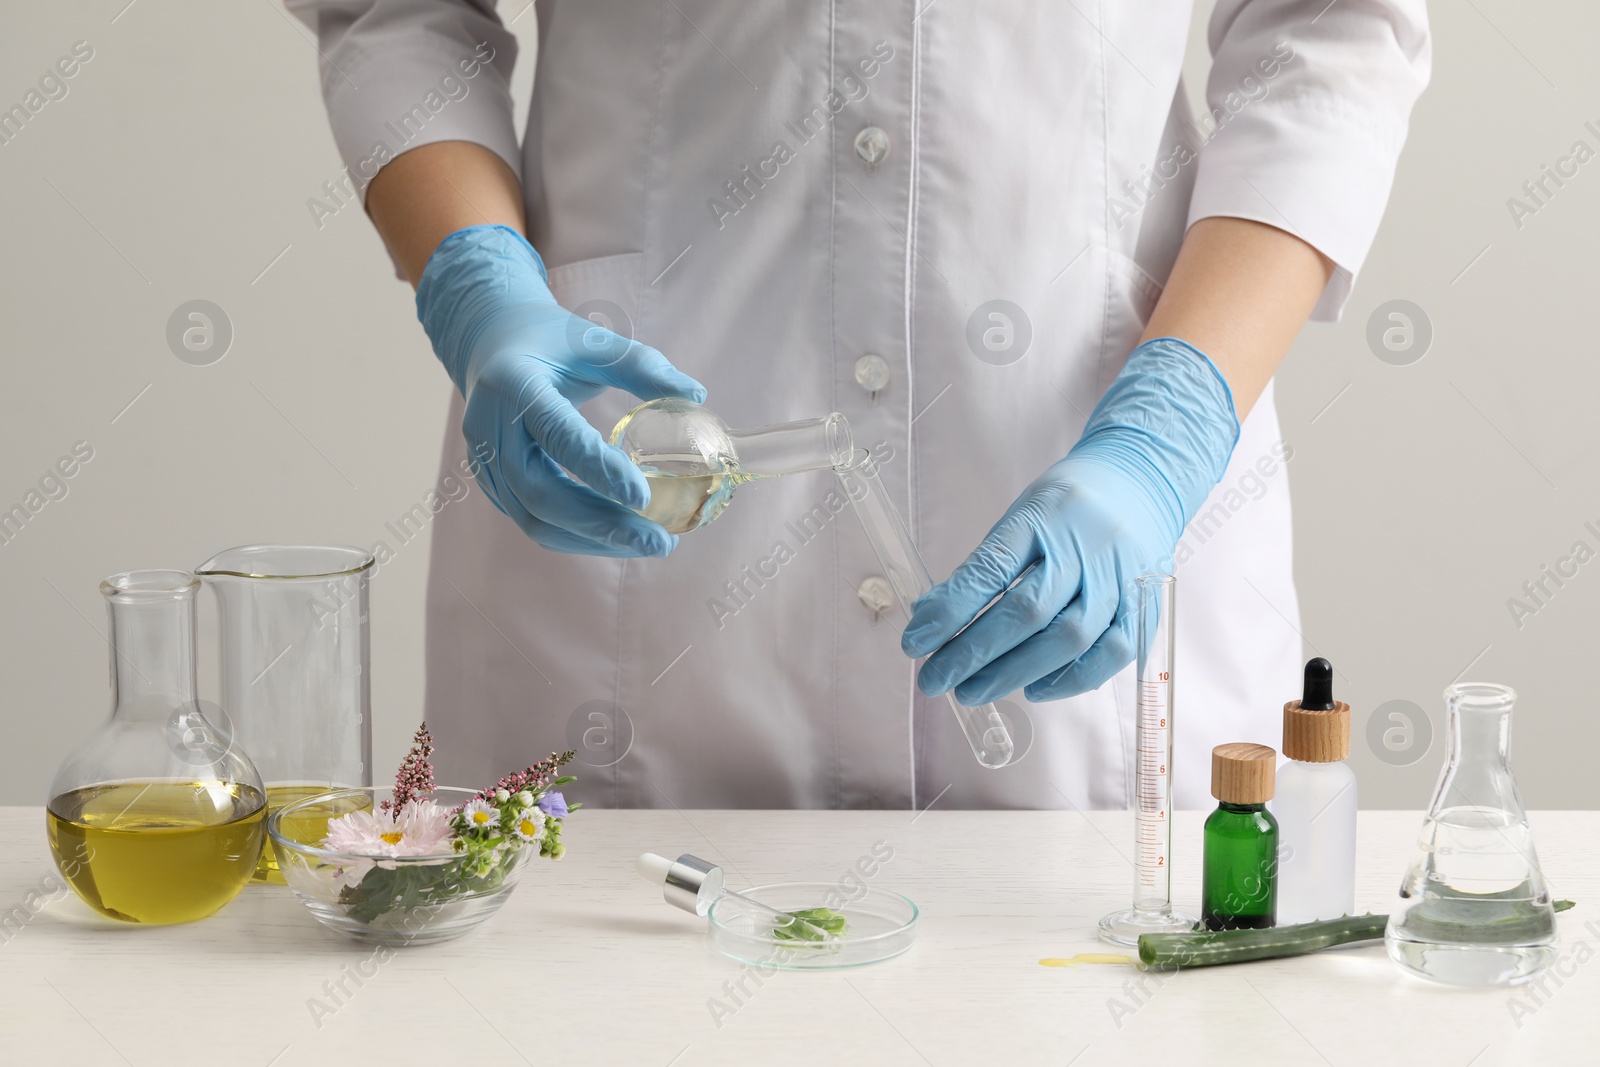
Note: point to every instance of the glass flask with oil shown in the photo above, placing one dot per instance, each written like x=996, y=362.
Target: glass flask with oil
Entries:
x=694, y=462
x=295, y=655
x=159, y=817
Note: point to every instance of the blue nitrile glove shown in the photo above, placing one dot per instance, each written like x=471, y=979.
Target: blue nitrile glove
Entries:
x=524, y=364
x=1111, y=511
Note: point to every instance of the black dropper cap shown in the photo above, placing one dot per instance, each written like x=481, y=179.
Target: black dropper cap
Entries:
x=1317, y=695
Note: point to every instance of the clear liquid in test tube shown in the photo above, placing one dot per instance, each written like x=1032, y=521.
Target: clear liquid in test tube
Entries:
x=984, y=728
x=1156, y=604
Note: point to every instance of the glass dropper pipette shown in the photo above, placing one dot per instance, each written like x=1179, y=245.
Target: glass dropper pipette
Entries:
x=693, y=884
x=984, y=728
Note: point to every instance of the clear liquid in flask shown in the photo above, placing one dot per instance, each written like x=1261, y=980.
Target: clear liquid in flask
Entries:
x=1474, y=908
x=693, y=461
x=1471, y=911
x=684, y=496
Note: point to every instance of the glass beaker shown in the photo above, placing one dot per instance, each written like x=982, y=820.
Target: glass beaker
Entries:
x=295, y=666
x=1474, y=909
x=694, y=462
x=159, y=817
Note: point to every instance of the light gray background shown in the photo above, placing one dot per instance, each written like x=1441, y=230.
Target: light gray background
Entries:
x=179, y=167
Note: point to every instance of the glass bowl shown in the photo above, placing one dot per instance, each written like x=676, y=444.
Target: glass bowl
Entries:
x=879, y=924
x=411, y=910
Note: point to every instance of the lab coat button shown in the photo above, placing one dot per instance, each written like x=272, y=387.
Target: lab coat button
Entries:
x=872, y=145
x=872, y=372
x=877, y=594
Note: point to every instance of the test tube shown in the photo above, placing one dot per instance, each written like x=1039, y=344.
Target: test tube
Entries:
x=1156, y=621
x=908, y=575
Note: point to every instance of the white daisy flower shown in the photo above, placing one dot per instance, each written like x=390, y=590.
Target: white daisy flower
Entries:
x=529, y=825
x=480, y=815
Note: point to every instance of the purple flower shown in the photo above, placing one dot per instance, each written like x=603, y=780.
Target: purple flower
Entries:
x=553, y=804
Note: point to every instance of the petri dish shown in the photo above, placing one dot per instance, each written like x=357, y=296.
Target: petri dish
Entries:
x=879, y=925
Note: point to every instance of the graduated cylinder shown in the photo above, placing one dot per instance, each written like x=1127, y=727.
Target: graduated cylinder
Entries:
x=1156, y=601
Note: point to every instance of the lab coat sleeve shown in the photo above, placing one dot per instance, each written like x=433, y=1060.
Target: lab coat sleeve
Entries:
x=399, y=74
x=1309, y=106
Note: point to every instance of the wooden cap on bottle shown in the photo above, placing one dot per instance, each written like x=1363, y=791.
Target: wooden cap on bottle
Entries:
x=1316, y=736
x=1242, y=773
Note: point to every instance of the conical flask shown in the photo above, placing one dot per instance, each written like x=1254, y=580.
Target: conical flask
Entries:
x=694, y=462
x=159, y=817
x=294, y=670
x=1474, y=909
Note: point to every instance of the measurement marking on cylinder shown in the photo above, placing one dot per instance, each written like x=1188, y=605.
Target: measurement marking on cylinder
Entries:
x=1151, y=791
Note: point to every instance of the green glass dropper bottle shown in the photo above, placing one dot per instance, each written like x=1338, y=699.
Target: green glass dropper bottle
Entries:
x=1239, y=883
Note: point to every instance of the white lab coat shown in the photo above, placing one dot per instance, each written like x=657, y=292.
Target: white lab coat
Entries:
x=686, y=163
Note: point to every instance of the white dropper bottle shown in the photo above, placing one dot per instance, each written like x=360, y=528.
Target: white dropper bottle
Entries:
x=1316, y=805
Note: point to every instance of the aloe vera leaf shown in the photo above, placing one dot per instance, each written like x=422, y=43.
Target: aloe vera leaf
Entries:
x=810, y=924
x=1214, y=948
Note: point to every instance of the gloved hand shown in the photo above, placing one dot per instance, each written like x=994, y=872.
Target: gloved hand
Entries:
x=1111, y=511
x=524, y=364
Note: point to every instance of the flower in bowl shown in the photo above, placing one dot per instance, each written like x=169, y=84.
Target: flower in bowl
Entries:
x=419, y=862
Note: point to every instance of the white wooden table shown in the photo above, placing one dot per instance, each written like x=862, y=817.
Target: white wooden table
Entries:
x=586, y=965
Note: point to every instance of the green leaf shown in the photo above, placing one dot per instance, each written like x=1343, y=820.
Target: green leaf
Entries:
x=1203, y=948
x=812, y=924
x=406, y=887
x=372, y=896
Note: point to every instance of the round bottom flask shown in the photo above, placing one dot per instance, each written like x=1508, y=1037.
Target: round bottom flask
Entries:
x=694, y=462
x=157, y=818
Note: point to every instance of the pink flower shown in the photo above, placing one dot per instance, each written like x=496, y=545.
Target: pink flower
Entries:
x=414, y=780
x=425, y=828
x=420, y=828
x=533, y=779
